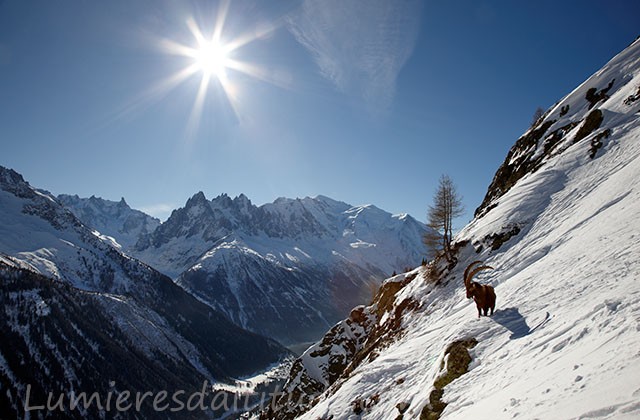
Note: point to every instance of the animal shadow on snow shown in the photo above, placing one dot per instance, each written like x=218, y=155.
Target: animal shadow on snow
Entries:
x=512, y=319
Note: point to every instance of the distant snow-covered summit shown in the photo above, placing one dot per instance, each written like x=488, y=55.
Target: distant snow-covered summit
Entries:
x=335, y=226
x=111, y=218
x=287, y=269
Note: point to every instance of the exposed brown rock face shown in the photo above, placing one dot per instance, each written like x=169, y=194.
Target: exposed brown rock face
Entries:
x=346, y=346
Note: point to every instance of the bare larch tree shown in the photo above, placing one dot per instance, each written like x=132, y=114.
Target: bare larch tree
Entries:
x=447, y=205
x=539, y=113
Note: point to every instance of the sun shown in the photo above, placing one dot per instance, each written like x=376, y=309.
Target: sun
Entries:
x=215, y=58
x=212, y=59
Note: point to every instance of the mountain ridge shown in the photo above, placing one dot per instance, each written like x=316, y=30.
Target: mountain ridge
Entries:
x=287, y=269
x=67, y=271
x=309, y=259
x=112, y=219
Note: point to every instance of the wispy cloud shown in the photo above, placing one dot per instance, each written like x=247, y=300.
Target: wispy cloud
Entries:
x=359, y=45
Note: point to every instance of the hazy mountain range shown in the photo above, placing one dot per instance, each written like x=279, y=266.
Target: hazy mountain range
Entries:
x=288, y=269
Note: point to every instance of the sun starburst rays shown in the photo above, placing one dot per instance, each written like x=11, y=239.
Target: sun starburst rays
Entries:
x=212, y=56
x=198, y=105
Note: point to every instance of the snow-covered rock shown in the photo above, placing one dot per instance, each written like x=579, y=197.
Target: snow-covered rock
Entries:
x=560, y=226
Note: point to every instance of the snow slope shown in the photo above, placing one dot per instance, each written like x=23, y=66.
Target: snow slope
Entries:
x=563, y=237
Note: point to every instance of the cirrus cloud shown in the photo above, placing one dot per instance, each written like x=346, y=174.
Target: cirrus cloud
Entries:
x=359, y=45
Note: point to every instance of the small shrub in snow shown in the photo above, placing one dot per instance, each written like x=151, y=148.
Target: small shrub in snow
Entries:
x=538, y=115
x=402, y=407
x=359, y=405
x=497, y=239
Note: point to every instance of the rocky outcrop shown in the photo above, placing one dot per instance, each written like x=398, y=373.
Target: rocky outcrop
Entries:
x=346, y=346
x=563, y=125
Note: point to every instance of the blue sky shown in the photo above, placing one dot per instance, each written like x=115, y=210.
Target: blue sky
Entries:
x=365, y=101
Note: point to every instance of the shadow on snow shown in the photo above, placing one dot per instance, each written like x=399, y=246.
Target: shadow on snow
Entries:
x=512, y=319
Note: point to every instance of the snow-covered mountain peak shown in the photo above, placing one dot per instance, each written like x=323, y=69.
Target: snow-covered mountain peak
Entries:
x=233, y=209
x=10, y=177
x=113, y=219
x=314, y=253
x=12, y=181
x=96, y=205
x=242, y=201
x=197, y=200
x=329, y=202
x=46, y=236
x=365, y=209
x=318, y=203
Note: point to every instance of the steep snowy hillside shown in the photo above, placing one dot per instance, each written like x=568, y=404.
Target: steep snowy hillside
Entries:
x=56, y=338
x=48, y=259
x=287, y=269
x=559, y=225
x=116, y=220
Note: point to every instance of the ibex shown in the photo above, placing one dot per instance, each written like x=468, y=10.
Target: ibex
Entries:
x=483, y=294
